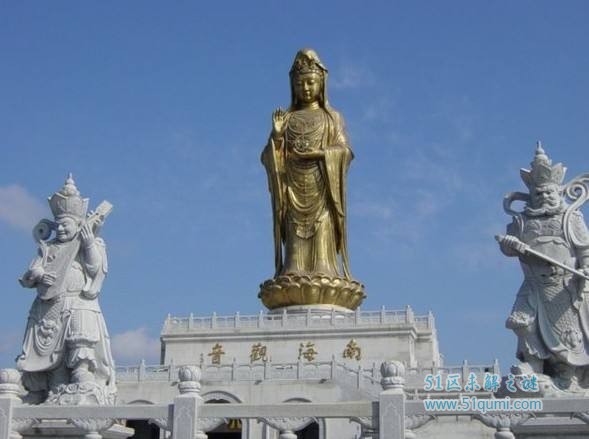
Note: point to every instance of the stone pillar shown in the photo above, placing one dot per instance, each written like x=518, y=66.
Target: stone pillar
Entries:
x=141, y=371
x=172, y=370
x=9, y=397
x=503, y=422
x=332, y=368
x=267, y=368
x=186, y=405
x=392, y=401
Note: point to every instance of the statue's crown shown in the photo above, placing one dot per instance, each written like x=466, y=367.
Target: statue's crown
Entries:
x=307, y=61
x=542, y=172
x=68, y=202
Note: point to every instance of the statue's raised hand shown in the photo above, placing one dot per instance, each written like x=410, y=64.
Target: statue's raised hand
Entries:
x=87, y=235
x=278, y=123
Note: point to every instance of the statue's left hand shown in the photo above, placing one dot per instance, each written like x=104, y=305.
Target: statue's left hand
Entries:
x=87, y=235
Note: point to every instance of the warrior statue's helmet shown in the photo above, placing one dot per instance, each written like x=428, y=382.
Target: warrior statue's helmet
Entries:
x=542, y=172
x=68, y=202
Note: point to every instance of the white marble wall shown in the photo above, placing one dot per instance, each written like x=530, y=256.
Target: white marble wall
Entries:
x=380, y=335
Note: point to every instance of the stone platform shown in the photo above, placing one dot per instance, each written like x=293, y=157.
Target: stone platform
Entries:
x=358, y=339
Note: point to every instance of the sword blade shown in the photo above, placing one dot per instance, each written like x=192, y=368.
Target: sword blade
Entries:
x=548, y=259
x=557, y=263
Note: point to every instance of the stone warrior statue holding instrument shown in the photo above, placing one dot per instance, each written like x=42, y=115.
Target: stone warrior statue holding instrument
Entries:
x=66, y=356
x=307, y=159
x=551, y=312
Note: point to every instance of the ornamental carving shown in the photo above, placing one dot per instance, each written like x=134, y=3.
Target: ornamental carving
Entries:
x=503, y=420
x=21, y=424
x=413, y=422
x=92, y=425
x=288, y=424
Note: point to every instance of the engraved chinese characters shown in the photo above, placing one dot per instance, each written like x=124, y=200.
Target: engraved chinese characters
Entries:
x=260, y=353
x=551, y=314
x=307, y=351
x=306, y=160
x=66, y=356
x=352, y=350
x=216, y=353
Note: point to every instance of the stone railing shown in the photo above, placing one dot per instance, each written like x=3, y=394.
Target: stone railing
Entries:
x=310, y=319
x=187, y=417
x=391, y=416
x=358, y=378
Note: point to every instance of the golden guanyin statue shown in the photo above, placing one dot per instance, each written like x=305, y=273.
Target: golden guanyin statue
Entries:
x=307, y=159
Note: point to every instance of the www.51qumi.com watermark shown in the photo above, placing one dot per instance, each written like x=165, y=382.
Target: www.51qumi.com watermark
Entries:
x=468, y=403
x=490, y=383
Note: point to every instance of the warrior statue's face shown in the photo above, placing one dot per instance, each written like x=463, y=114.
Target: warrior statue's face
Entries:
x=67, y=227
x=307, y=87
x=545, y=196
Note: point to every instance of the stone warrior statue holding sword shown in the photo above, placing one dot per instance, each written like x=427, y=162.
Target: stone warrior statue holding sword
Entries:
x=551, y=312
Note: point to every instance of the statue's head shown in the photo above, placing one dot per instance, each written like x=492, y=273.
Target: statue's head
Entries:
x=67, y=227
x=308, y=79
x=69, y=209
x=544, y=182
x=545, y=197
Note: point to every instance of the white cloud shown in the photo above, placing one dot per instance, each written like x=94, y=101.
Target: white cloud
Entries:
x=478, y=255
x=372, y=209
x=380, y=109
x=19, y=208
x=352, y=76
x=433, y=169
x=427, y=183
x=134, y=345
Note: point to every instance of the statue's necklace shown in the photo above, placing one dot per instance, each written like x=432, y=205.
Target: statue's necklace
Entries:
x=305, y=129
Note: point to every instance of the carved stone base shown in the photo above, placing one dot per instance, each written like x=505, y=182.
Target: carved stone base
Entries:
x=63, y=430
x=88, y=393
x=296, y=290
x=548, y=387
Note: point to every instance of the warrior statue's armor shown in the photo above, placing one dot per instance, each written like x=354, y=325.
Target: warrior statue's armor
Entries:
x=551, y=313
x=66, y=356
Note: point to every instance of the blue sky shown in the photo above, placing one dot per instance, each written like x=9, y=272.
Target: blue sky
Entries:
x=163, y=109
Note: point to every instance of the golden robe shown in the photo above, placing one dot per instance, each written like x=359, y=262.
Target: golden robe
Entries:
x=309, y=195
